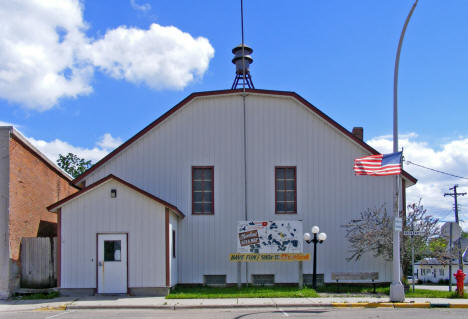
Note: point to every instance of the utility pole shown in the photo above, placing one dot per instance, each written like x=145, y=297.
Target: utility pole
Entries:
x=455, y=198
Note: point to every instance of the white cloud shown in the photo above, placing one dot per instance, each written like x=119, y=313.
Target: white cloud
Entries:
x=109, y=142
x=39, y=52
x=53, y=148
x=451, y=157
x=45, y=54
x=140, y=7
x=161, y=57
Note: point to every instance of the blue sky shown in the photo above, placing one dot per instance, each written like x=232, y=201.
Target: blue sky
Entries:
x=339, y=55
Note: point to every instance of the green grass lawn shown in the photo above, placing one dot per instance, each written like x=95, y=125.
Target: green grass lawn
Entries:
x=50, y=295
x=244, y=292
x=352, y=289
x=294, y=292
x=424, y=293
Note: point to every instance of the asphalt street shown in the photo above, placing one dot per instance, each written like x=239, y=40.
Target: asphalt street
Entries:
x=261, y=313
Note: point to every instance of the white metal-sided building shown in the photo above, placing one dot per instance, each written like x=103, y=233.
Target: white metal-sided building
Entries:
x=162, y=208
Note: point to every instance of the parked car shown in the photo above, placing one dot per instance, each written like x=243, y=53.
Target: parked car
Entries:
x=410, y=280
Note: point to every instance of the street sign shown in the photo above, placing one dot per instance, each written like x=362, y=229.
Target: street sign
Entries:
x=413, y=233
x=398, y=224
x=456, y=230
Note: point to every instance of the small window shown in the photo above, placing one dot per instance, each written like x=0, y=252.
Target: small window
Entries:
x=173, y=244
x=203, y=190
x=285, y=190
x=263, y=280
x=112, y=250
x=214, y=280
x=308, y=279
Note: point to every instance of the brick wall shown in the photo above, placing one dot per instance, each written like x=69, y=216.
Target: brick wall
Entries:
x=34, y=185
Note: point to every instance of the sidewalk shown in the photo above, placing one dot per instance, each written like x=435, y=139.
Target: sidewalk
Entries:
x=125, y=302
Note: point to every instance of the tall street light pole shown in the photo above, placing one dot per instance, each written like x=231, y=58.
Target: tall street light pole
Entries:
x=397, y=292
x=317, y=239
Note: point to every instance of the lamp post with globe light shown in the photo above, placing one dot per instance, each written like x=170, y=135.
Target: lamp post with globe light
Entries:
x=318, y=238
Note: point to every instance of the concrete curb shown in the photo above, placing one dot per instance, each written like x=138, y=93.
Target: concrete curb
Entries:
x=302, y=305
x=461, y=305
x=381, y=305
x=175, y=307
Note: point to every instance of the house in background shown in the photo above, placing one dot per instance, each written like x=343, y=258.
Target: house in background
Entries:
x=432, y=270
x=217, y=157
x=29, y=182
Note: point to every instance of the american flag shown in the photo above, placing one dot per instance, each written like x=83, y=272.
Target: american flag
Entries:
x=378, y=165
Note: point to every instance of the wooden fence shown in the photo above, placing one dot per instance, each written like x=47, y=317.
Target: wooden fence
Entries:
x=38, y=262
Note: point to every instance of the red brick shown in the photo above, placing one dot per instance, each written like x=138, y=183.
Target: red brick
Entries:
x=33, y=186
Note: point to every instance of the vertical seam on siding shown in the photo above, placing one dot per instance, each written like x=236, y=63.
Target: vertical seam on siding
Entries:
x=168, y=270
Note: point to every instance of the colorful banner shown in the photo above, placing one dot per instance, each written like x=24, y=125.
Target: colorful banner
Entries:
x=240, y=258
x=269, y=237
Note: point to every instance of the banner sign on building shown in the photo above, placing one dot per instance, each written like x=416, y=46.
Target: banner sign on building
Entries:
x=269, y=237
x=268, y=257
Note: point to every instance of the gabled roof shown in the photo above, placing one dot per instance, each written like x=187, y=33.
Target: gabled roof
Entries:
x=227, y=92
x=60, y=203
x=23, y=141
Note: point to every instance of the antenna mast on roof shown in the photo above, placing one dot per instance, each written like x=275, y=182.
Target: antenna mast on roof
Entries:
x=242, y=60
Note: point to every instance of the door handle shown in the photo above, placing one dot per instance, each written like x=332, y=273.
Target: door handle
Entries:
x=100, y=263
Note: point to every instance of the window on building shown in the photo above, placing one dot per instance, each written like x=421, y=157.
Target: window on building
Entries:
x=441, y=272
x=173, y=244
x=285, y=190
x=112, y=250
x=203, y=190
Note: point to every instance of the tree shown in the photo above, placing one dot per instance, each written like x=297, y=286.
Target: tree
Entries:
x=417, y=219
x=73, y=165
x=372, y=232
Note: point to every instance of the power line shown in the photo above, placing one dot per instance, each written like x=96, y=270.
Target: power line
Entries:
x=435, y=170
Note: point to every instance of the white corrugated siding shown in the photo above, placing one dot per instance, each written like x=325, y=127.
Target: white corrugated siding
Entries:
x=280, y=131
x=173, y=261
x=96, y=212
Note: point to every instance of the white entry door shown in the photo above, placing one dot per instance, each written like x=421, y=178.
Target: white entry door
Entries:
x=112, y=263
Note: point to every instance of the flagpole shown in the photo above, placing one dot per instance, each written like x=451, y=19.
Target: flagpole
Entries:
x=397, y=292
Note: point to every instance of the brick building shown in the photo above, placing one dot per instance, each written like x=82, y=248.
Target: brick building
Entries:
x=29, y=182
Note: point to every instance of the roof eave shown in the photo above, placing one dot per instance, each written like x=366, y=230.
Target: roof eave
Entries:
x=194, y=95
x=56, y=206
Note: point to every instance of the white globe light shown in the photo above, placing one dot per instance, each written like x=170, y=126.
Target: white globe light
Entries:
x=315, y=229
x=307, y=237
x=322, y=236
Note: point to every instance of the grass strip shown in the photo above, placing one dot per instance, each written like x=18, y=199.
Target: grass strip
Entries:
x=244, y=292
x=352, y=289
x=200, y=292
x=425, y=293
x=50, y=295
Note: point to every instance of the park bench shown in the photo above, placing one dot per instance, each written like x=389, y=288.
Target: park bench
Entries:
x=355, y=276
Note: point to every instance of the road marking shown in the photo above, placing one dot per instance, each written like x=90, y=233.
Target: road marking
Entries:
x=59, y=314
x=284, y=312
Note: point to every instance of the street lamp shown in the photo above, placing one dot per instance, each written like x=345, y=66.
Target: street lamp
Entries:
x=318, y=238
